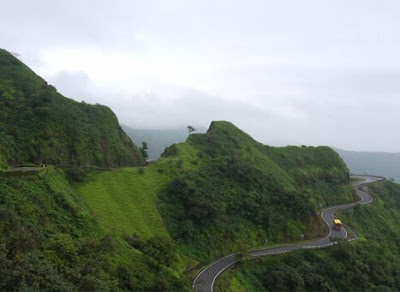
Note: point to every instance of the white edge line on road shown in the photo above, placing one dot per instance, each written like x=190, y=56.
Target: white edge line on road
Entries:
x=355, y=204
x=222, y=270
x=330, y=229
x=319, y=246
x=219, y=273
x=208, y=267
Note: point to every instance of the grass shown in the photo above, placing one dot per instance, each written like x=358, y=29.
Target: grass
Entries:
x=235, y=285
x=124, y=201
x=379, y=219
x=50, y=239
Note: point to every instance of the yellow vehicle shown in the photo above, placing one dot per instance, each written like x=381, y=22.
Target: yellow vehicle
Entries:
x=337, y=224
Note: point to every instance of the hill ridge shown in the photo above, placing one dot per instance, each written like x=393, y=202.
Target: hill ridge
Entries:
x=40, y=126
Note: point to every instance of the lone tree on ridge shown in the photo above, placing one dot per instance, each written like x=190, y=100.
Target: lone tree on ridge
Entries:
x=190, y=129
x=143, y=149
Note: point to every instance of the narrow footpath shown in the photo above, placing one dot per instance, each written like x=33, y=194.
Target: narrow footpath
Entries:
x=205, y=280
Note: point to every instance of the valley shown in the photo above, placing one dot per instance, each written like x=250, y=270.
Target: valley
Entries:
x=81, y=210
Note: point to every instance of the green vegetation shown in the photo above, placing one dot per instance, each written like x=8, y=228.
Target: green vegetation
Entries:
x=40, y=126
x=158, y=140
x=124, y=201
x=219, y=192
x=146, y=228
x=378, y=221
x=50, y=240
x=239, y=190
x=371, y=263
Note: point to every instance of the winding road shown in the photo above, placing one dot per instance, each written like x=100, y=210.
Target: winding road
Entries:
x=205, y=280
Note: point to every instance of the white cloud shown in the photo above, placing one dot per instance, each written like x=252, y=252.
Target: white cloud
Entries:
x=287, y=72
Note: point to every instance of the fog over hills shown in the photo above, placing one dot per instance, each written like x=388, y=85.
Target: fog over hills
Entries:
x=311, y=74
x=378, y=163
x=158, y=140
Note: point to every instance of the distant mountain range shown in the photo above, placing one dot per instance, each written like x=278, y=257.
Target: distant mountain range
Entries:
x=158, y=140
x=378, y=163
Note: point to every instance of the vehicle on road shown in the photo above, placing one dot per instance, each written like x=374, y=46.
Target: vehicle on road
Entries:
x=337, y=224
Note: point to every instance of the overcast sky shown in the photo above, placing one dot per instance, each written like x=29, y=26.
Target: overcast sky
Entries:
x=287, y=72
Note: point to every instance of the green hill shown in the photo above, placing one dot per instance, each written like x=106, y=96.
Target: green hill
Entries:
x=236, y=190
x=369, y=264
x=40, y=126
x=221, y=186
x=154, y=227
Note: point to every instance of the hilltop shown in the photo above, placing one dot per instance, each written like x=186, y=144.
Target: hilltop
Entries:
x=231, y=189
x=40, y=126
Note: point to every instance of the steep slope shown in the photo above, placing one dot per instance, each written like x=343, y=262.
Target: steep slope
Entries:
x=50, y=240
x=369, y=264
x=220, y=191
x=124, y=201
x=40, y=126
x=229, y=189
x=379, y=163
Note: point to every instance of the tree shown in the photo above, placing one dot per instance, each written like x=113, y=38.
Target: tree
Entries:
x=143, y=149
x=190, y=129
x=162, y=250
x=241, y=254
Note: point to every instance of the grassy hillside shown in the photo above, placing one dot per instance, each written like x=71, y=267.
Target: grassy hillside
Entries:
x=239, y=191
x=369, y=264
x=51, y=241
x=38, y=125
x=378, y=163
x=221, y=190
x=124, y=201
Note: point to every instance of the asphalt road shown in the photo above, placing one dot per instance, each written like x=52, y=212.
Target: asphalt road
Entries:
x=205, y=280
